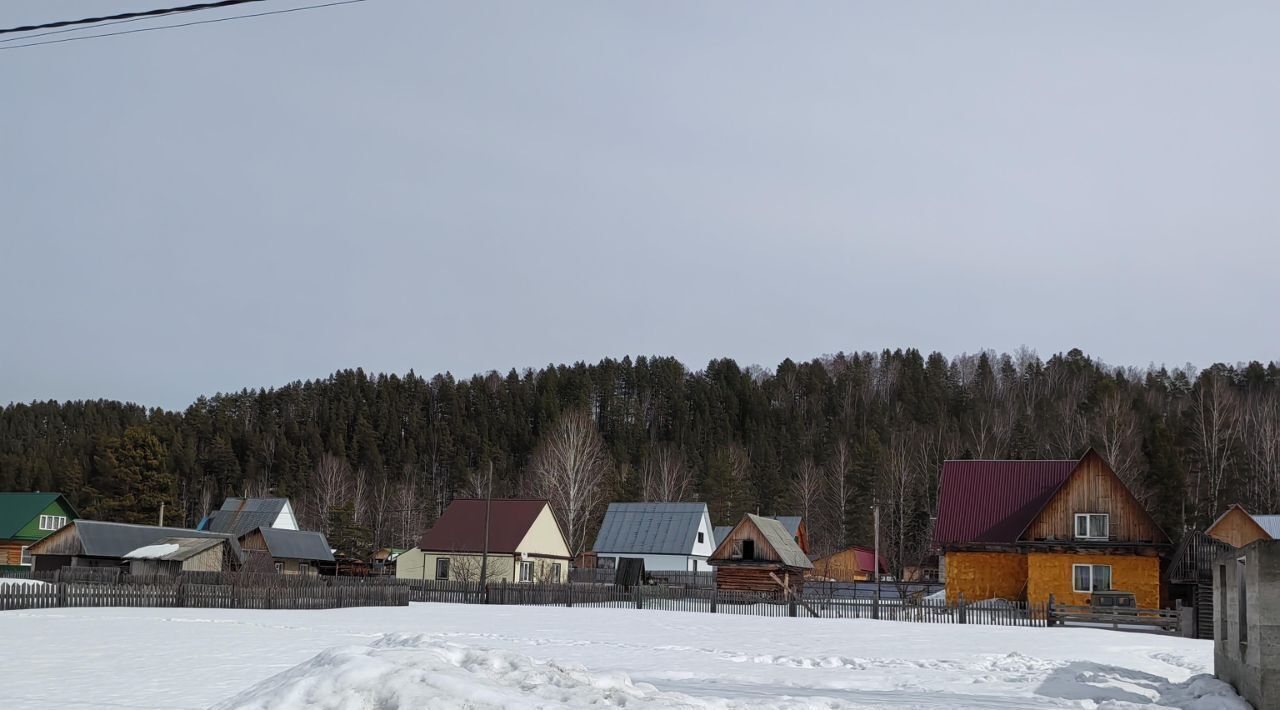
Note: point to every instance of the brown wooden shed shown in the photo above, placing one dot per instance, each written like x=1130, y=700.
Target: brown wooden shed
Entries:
x=759, y=555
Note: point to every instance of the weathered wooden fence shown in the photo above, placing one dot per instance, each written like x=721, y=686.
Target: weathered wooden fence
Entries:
x=1178, y=621
x=284, y=594
x=692, y=599
x=705, y=579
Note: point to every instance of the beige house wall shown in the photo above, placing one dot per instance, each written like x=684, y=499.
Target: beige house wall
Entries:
x=465, y=567
x=544, y=537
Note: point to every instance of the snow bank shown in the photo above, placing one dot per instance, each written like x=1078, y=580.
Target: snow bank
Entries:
x=417, y=671
x=148, y=552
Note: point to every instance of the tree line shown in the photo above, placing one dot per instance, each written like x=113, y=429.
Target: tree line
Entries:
x=373, y=459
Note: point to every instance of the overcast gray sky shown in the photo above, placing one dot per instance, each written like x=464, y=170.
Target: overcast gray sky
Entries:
x=466, y=186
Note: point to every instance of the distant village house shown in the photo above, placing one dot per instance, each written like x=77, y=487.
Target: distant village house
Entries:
x=524, y=540
x=760, y=555
x=667, y=536
x=27, y=518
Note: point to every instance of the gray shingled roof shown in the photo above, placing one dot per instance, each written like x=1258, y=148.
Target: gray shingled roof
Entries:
x=102, y=539
x=240, y=515
x=650, y=528
x=297, y=544
x=790, y=522
x=782, y=542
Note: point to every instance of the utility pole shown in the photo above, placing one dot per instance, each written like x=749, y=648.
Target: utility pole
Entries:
x=488, y=500
x=161, y=513
x=876, y=563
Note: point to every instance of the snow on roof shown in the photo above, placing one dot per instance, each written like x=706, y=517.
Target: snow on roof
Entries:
x=151, y=552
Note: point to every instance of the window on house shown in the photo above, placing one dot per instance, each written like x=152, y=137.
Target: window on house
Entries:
x=52, y=522
x=442, y=568
x=735, y=550
x=304, y=568
x=748, y=549
x=279, y=567
x=555, y=573
x=606, y=563
x=526, y=571
x=701, y=538
x=1091, y=578
x=25, y=559
x=1241, y=604
x=1093, y=526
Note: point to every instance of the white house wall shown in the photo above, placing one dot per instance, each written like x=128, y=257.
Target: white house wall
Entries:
x=286, y=520
x=663, y=563
x=702, y=550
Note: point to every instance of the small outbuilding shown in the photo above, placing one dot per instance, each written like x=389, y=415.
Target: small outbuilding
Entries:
x=852, y=564
x=289, y=552
x=172, y=555
x=96, y=543
x=675, y=537
x=760, y=555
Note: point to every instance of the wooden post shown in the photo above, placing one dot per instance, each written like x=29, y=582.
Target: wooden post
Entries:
x=791, y=606
x=568, y=595
x=1048, y=612
x=875, y=603
x=713, y=600
x=961, y=613
x=639, y=602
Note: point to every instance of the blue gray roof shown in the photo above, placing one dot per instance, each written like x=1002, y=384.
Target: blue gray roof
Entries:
x=297, y=544
x=240, y=515
x=1270, y=523
x=650, y=528
x=721, y=532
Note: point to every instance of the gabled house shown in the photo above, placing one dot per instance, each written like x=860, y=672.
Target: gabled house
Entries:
x=1237, y=527
x=171, y=555
x=1029, y=529
x=667, y=536
x=760, y=555
x=289, y=552
x=242, y=515
x=524, y=541
x=27, y=518
x=852, y=564
x=94, y=543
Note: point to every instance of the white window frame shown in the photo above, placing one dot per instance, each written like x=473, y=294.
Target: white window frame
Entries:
x=1092, y=578
x=526, y=572
x=52, y=522
x=1090, y=532
x=304, y=568
x=555, y=572
x=24, y=557
x=447, y=564
x=279, y=568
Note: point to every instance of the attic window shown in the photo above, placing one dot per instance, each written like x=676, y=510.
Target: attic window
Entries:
x=1093, y=526
x=52, y=522
x=701, y=538
x=735, y=550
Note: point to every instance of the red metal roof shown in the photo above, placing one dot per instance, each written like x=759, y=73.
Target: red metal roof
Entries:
x=864, y=558
x=994, y=501
x=461, y=528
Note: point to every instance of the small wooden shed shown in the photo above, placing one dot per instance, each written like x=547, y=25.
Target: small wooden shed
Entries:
x=760, y=555
x=172, y=555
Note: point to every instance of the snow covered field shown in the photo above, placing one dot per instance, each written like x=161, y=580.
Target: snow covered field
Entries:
x=457, y=656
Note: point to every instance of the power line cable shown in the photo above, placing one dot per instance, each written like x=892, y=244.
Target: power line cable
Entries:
x=78, y=29
x=185, y=24
x=129, y=15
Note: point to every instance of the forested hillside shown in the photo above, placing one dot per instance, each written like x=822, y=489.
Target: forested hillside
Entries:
x=372, y=459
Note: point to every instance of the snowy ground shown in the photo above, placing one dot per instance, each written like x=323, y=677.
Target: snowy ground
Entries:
x=457, y=656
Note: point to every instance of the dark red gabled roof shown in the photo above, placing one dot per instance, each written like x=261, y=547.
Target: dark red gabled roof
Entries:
x=994, y=501
x=461, y=528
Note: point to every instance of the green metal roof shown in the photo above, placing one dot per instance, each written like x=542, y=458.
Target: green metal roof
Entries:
x=17, y=509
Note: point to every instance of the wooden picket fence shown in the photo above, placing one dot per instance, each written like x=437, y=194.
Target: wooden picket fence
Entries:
x=1178, y=621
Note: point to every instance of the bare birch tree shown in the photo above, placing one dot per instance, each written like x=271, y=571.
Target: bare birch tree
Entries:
x=1215, y=408
x=807, y=489
x=838, y=492
x=1119, y=440
x=568, y=469
x=330, y=490
x=664, y=477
